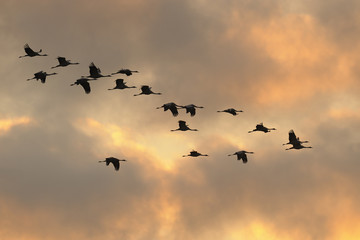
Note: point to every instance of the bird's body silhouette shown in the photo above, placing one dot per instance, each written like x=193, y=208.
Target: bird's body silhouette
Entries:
x=183, y=127
x=120, y=84
x=297, y=146
x=173, y=107
x=232, y=111
x=293, y=139
x=31, y=53
x=260, y=127
x=95, y=72
x=241, y=155
x=41, y=75
x=63, y=62
x=114, y=161
x=194, y=153
x=84, y=83
x=127, y=72
x=146, y=90
x=191, y=108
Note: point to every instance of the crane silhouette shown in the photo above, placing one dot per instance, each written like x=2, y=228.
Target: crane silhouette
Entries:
x=146, y=90
x=41, y=75
x=241, y=155
x=194, y=153
x=293, y=139
x=114, y=161
x=63, y=62
x=170, y=106
x=120, y=84
x=260, y=127
x=95, y=72
x=231, y=111
x=191, y=108
x=297, y=146
x=183, y=127
x=127, y=72
x=84, y=83
x=31, y=53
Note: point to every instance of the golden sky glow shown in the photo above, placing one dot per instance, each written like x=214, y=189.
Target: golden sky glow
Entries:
x=291, y=65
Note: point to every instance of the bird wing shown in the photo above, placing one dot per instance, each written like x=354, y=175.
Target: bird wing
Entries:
x=93, y=69
x=119, y=82
x=191, y=110
x=145, y=88
x=28, y=50
x=182, y=124
x=292, y=136
x=244, y=158
x=39, y=74
x=116, y=164
x=43, y=78
x=62, y=60
x=85, y=84
x=174, y=110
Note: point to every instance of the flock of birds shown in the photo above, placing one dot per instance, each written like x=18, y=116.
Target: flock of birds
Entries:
x=95, y=73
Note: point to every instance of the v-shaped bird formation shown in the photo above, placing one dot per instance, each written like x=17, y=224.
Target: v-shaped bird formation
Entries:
x=95, y=74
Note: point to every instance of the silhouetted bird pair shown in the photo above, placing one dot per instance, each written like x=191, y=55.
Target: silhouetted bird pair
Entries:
x=173, y=107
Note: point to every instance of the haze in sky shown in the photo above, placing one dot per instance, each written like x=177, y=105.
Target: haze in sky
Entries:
x=288, y=64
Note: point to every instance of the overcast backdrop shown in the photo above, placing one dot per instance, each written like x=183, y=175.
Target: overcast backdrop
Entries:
x=288, y=64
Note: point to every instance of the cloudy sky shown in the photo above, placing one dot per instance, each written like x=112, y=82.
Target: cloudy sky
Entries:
x=288, y=64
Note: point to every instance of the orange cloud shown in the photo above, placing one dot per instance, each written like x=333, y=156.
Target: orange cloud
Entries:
x=7, y=124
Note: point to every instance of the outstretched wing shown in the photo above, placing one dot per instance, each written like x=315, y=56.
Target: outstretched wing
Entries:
x=182, y=124
x=62, y=60
x=292, y=136
x=85, y=84
x=174, y=110
x=145, y=88
x=244, y=158
x=116, y=164
x=191, y=110
x=93, y=69
x=28, y=50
